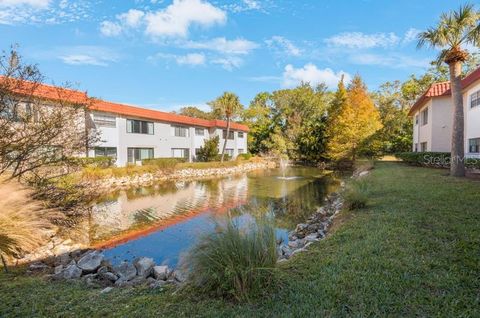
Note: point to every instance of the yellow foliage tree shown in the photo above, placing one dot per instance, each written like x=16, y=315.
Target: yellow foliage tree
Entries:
x=353, y=120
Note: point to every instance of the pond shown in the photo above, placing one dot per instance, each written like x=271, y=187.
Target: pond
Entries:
x=163, y=221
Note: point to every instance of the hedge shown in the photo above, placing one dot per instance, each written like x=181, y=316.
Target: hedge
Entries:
x=434, y=159
x=163, y=163
x=94, y=162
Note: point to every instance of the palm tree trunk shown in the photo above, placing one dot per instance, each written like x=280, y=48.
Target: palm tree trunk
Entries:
x=457, y=164
x=226, y=139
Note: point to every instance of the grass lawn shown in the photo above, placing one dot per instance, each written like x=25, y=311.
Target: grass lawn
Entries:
x=415, y=251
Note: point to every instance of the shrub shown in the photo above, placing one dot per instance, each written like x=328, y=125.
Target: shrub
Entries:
x=234, y=262
x=244, y=156
x=209, y=151
x=163, y=163
x=356, y=194
x=22, y=221
x=93, y=162
x=226, y=157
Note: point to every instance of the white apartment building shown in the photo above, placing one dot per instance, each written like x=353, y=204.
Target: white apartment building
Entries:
x=432, y=117
x=131, y=134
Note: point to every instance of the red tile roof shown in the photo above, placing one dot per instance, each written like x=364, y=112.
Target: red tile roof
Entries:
x=26, y=88
x=127, y=110
x=443, y=89
x=77, y=97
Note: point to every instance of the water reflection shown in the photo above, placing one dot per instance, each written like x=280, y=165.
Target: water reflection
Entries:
x=164, y=220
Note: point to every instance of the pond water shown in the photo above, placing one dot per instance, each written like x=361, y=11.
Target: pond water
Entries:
x=163, y=221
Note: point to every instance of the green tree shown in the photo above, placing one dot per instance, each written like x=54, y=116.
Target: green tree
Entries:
x=193, y=111
x=356, y=122
x=258, y=117
x=455, y=30
x=226, y=106
x=209, y=150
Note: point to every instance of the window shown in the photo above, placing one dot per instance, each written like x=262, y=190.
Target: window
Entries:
x=416, y=147
x=416, y=120
x=180, y=131
x=197, y=151
x=139, y=127
x=106, y=152
x=230, y=134
x=240, y=134
x=474, y=145
x=425, y=117
x=139, y=154
x=199, y=132
x=241, y=151
x=229, y=152
x=475, y=99
x=181, y=153
x=102, y=120
x=423, y=146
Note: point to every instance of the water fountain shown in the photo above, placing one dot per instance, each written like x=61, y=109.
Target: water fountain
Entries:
x=283, y=169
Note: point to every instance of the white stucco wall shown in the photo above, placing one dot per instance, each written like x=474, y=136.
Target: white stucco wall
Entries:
x=423, y=133
x=162, y=141
x=442, y=122
x=472, y=117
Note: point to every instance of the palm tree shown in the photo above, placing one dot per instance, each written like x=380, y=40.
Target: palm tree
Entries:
x=226, y=106
x=454, y=31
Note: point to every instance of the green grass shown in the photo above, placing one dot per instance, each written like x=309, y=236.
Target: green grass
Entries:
x=414, y=251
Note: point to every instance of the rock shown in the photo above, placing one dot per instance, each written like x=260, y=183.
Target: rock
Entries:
x=102, y=269
x=308, y=244
x=125, y=271
x=160, y=272
x=286, y=251
x=282, y=260
x=39, y=266
x=298, y=251
x=63, y=259
x=363, y=173
x=157, y=284
x=311, y=237
x=90, y=261
x=144, y=266
x=301, y=227
x=179, y=276
x=106, y=290
x=108, y=276
x=58, y=269
x=72, y=272
x=296, y=244
x=321, y=233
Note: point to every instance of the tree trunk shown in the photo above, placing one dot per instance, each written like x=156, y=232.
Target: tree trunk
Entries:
x=226, y=139
x=457, y=162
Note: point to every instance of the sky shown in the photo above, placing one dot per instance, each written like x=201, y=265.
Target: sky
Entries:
x=169, y=54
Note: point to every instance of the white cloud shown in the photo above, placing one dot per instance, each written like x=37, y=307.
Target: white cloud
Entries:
x=311, y=74
x=82, y=55
x=32, y=3
x=176, y=19
x=132, y=18
x=389, y=60
x=237, y=46
x=411, y=35
x=43, y=11
x=279, y=43
x=109, y=28
x=229, y=63
x=359, y=40
x=191, y=59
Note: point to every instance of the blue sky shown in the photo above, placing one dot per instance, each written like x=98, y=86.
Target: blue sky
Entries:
x=168, y=54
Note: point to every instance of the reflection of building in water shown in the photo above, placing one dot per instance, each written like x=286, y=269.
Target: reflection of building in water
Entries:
x=147, y=207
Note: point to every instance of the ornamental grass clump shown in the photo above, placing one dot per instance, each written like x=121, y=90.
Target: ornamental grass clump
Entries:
x=23, y=221
x=236, y=262
x=357, y=194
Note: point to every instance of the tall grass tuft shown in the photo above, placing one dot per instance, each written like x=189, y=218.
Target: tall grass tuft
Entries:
x=23, y=221
x=235, y=262
x=357, y=194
